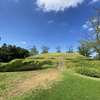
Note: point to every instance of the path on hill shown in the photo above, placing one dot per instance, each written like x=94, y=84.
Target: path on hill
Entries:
x=61, y=65
x=42, y=80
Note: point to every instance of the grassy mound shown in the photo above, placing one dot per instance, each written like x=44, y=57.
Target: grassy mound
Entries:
x=55, y=56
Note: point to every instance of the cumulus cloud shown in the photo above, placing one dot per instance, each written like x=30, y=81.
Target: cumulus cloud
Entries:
x=50, y=21
x=93, y=1
x=90, y=29
x=85, y=26
x=23, y=42
x=57, y=5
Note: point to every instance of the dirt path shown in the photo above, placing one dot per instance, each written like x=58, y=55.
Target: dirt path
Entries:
x=42, y=80
x=61, y=65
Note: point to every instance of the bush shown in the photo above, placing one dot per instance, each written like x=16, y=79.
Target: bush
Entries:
x=26, y=65
x=88, y=71
x=79, y=59
x=52, y=58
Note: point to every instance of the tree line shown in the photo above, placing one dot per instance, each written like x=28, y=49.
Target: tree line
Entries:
x=9, y=52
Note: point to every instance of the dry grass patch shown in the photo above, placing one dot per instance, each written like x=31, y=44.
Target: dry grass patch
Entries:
x=33, y=80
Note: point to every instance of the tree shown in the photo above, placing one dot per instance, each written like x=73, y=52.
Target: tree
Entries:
x=12, y=52
x=33, y=50
x=58, y=49
x=94, y=42
x=45, y=49
x=84, y=50
x=70, y=49
x=4, y=45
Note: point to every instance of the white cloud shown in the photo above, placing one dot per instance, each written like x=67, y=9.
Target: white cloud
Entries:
x=15, y=42
x=87, y=22
x=90, y=29
x=93, y=1
x=64, y=24
x=57, y=5
x=85, y=26
x=23, y=42
x=71, y=30
x=50, y=21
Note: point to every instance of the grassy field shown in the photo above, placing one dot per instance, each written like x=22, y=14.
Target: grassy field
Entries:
x=52, y=83
x=72, y=87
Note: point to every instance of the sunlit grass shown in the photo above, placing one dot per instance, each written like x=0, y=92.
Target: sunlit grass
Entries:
x=73, y=87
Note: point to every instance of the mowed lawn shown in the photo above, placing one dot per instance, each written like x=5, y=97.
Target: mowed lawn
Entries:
x=73, y=87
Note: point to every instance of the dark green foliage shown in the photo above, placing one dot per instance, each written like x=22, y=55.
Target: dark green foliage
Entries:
x=88, y=71
x=26, y=65
x=52, y=58
x=84, y=50
x=0, y=60
x=8, y=53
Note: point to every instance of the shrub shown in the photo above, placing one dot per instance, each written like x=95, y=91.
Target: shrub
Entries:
x=52, y=58
x=26, y=65
x=79, y=59
x=88, y=71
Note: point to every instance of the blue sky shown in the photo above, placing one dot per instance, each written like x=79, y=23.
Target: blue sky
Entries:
x=45, y=22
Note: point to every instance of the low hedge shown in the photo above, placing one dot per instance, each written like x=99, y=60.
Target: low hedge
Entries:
x=26, y=65
x=88, y=71
x=32, y=57
x=79, y=59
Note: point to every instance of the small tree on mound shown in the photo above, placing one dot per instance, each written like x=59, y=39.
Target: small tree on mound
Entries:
x=58, y=49
x=70, y=49
x=45, y=49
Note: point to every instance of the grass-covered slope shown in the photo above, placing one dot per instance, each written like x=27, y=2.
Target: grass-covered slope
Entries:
x=85, y=66
x=55, y=56
x=26, y=65
x=41, y=61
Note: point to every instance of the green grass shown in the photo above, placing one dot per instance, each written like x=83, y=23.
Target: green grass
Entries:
x=10, y=80
x=73, y=87
x=3, y=86
x=55, y=56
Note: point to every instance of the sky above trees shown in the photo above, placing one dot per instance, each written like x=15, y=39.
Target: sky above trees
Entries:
x=45, y=22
